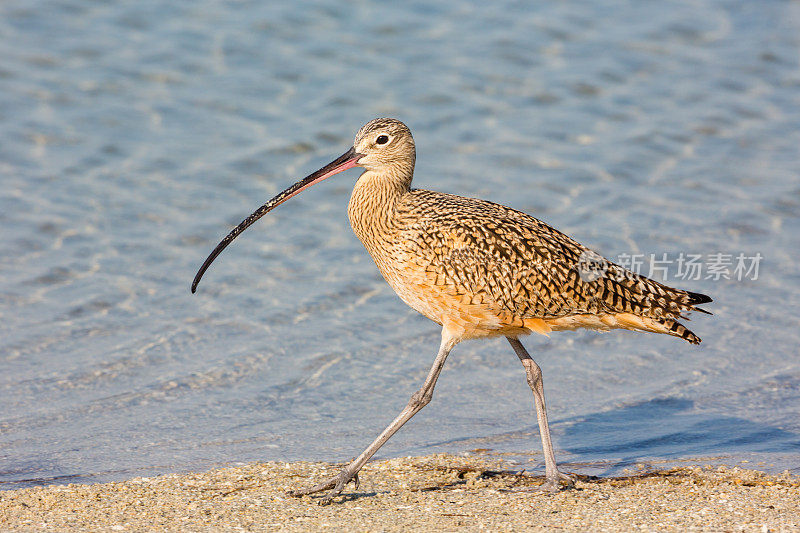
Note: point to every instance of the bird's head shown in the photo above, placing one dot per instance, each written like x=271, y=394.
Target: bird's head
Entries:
x=385, y=144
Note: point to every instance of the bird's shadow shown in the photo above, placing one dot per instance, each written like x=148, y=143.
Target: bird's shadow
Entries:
x=664, y=430
x=658, y=433
x=344, y=497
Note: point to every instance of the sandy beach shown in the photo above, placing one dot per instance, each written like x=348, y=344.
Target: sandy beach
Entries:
x=432, y=493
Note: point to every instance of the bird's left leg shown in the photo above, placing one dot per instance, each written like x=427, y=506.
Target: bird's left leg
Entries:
x=534, y=374
x=420, y=399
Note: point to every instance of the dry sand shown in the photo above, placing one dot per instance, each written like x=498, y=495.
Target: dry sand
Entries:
x=434, y=493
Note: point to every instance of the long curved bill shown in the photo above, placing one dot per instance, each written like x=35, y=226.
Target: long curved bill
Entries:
x=347, y=160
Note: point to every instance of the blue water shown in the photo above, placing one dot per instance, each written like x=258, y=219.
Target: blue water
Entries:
x=133, y=135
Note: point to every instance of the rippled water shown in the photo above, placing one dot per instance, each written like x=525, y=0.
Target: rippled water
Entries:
x=133, y=135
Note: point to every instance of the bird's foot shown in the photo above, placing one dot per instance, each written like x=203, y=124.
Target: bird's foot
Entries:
x=552, y=484
x=336, y=484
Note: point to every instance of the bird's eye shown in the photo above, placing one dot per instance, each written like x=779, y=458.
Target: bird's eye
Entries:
x=382, y=139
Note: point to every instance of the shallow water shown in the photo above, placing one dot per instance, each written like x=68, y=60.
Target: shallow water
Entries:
x=133, y=136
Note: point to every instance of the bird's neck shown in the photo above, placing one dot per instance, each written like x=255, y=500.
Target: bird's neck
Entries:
x=372, y=205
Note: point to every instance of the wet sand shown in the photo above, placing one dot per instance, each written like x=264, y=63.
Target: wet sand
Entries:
x=433, y=493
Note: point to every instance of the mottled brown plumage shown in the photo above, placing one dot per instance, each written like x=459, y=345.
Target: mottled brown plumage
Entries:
x=478, y=269
x=483, y=269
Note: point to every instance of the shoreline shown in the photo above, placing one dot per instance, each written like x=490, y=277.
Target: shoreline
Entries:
x=432, y=493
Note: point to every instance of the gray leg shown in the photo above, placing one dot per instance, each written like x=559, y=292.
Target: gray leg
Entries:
x=534, y=373
x=420, y=399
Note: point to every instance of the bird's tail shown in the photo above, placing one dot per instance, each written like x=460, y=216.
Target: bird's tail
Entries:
x=645, y=304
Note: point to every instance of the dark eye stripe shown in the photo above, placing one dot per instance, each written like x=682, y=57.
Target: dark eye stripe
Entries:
x=382, y=139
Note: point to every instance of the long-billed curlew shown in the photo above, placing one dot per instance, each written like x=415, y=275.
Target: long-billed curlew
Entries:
x=478, y=269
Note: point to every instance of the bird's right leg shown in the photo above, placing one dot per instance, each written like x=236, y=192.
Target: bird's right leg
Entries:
x=534, y=374
x=418, y=400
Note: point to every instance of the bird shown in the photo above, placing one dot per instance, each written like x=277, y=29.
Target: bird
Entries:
x=478, y=269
